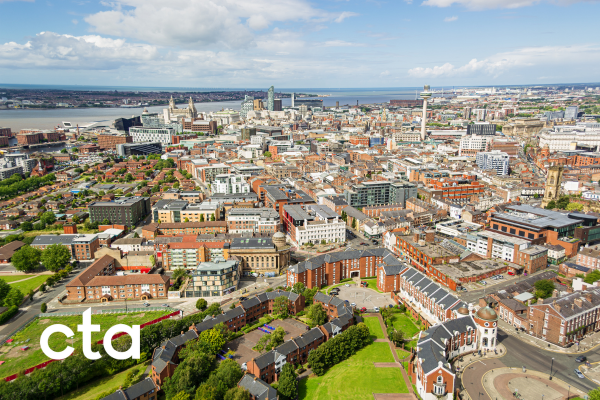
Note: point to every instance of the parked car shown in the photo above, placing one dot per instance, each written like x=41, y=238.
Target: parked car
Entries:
x=376, y=309
x=243, y=298
x=146, y=304
x=245, y=366
x=581, y=359
x=165, y=305
x=363, y=309
x=347, y=285
x=579, y=374
x=510, y=273
x=483, y=283
x=353, y=304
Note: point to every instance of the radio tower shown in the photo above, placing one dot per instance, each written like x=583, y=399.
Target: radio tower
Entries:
x=425, y=95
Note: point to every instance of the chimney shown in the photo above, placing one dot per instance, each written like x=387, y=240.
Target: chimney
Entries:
x=555, y=293
x=430, y=236
x=578, y=302
x=588, y=297
x=416, y=237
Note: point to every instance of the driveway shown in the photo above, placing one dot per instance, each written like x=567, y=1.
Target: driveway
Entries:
x=364, y=297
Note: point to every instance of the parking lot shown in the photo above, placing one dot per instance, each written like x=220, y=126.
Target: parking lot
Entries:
x=489, y=282
x=243, y=345
x=364, y=297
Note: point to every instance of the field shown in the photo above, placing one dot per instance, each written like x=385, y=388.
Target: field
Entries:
x=356, y=378
x=374, y=327
x=403, y=323
x=12, y=278
x=17, y=359
x=402, y=354
x=30, y=284
x=95, y=388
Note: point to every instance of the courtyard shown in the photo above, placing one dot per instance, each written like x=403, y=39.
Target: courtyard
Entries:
x=364, y=297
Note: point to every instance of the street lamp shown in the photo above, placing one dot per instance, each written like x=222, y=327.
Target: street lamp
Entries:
x=569, y=392
x=551, y=365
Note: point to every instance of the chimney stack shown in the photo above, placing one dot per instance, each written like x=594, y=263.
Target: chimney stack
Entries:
x=555, y=293
x=430, y=236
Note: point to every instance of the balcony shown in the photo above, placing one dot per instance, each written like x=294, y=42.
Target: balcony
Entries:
x=439, y=389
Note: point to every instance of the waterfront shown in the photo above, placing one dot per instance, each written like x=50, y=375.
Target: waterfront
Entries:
x=49, y=119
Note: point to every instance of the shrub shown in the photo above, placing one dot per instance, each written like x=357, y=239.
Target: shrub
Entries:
x=8, y=314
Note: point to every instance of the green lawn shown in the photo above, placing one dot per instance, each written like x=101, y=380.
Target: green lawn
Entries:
x=30, y=284
x=402, y=354
x=403, y=323
x=95, y=388
x=374, y=327
x=326, y=289
x=17, y=360
x=372, y=284
x=356, y=378
x=12, y=278
x=410, y=345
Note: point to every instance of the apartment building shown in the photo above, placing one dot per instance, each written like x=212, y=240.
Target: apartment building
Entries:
x=144, y=390
x=230, y=184
x=163, y=135
x=255, y=220
x=214, y=278
x=208, y=172
x=318, y=223
x=494, y=160
x=177, y=211
x=258, y=389
x=589, y=257
x=175, y=252
x=109, y=141
x=126, y=211
x=82, y=247
x=473, y=144
x=380, y=193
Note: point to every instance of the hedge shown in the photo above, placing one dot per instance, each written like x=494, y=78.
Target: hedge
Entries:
x=8, y=314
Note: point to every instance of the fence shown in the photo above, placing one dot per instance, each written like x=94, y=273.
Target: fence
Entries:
x=115, y=311
x=45, y=363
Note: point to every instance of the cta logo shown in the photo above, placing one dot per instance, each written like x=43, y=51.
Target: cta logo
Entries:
x=86, y=329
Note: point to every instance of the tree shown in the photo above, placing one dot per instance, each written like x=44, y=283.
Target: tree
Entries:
x=181, y=396
x=213, y=339
x=189, y=374
x=13, y=298
x=551, y=205
x=316, y=314
x=563, y=202
x=269, y=342
x=48, y=218
x=26, y=259
x=43, y=307
x=592, y=277
x=152, y=260
x=267, y=154
x=594, y=394
x=574, y=207
x=353, y=223
x=281, y=306
x=27, y=226
x=397, y=337
x=544, y=288
x=55, y=257
x=201, y=217
x=201, y=304
x=4, y=289
x=186, y=219
x=212, y=217
x=288, y=385
x=298, y=288
x=237, y=393
x=129, y=178
x=76, y=219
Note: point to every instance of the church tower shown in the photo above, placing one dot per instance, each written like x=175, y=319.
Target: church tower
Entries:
x=553, y=184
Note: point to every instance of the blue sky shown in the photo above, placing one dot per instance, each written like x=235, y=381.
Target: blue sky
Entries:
x=299, y=43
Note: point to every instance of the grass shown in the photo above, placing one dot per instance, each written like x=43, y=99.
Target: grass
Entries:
x=99, y=386
x=410, y=345
x=402, y=354
x=403, y=323
x=12, y=278
x=18, y=360
x=374, y=327
x=356, y=378
x=30, y=284
x=326, y=289
x=372, y=284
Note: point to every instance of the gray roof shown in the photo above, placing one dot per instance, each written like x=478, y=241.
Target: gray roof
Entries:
x=251, y=243
x=318, y=261
x=258, y=388
x=47, y=240
x=140, y=388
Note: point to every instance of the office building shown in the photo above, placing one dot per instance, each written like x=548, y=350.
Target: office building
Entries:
x=254, y=220
x=380, y=193
x=571, y=112
x=567, y=137
x=262, y=256
x=138, y=149
x=109, y=141
x=247, y=105
x=215, y=278
x=277, y=105
x=126, y=211
x=175, y=211
x=258, y=105
x=310, y=103
x=248, y=133
x=493, y=160
x=471, y=145
x=143, y=134
x=230, y=184
x=481, y=129
x=199, y=125
x=271, y=99
x=467, y=113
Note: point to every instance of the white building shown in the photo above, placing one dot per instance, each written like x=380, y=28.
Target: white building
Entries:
x=230, y=184
x=566, y=137
x=474, y=144
x=240, y=220
x=456, y=228
x=162, y=135
x=503, y=246
x=319, y=230
x=495, y=160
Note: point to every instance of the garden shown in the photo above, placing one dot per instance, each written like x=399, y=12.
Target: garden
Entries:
x=14, y=359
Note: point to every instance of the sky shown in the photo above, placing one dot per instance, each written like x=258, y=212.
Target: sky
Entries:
x=299, y=43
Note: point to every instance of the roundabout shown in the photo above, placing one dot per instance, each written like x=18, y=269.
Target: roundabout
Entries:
x=507, y=383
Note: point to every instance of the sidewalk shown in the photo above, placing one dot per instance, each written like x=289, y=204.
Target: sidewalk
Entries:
x=586, y=344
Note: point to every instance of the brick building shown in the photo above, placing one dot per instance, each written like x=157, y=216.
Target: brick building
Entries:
x=107, y=141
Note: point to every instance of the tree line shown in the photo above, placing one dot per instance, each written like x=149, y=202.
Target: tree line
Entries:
x=16, y=185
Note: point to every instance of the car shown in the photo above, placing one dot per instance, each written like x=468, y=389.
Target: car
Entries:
x=165, y=305
x=353, y=304
x=581, y=359
x=376, y=309
x=347, y=285
x=510, y=273
x=579, y=374
x=483, y=283
x=243, y=298
x=146, y=304
x=363, y=243
x=363, y=309
x=245, y=366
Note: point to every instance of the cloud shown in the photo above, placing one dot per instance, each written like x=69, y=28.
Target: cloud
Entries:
x=344, y=15
x=54, y=51
x=498, y=64
x=198, y=24
x=384, y=74
x=450, y=19
x=74, y=21
x=492, y=4
x=340, y=43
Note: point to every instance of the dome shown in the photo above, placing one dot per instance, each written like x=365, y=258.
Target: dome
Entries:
x=463, y=311
x=278, y=235
x=487, y=313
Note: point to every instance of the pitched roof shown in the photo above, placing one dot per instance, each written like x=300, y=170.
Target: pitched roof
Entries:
x=92, y=271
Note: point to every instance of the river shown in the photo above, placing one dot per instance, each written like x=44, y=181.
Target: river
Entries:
x=49, y=119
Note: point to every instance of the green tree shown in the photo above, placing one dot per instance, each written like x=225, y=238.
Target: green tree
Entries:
x=4, y=289
x=594, y=394
x=574, y=207
x=181, y=396
x=353, y=223
x=201, y=217
x=76, y=219
x=189, y=374
x=225, y=377
x=48, y=218
x=397, y=337
x=26, y=259
x=43, y=307
x=212, y=217
x=592, y=277
x=152, y=260
x=281, y=306
x=317, y=314
x=27, y=226
x=13, y=298
x=206, y=392
x=55, y=257
x=267, y=154
x=298, y=288
x=563, y=202
x=551, y=205
x=544, y=288
x=288, y=385
x=213, y=339
x=201, y=304
x=237, y=393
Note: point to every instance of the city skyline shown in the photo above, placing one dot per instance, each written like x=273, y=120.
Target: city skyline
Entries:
x=296, y=43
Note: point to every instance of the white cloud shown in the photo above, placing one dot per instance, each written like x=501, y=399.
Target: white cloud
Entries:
x=52, y=50
x=196, y=24
x=384, y=74
x=491, y=4
x=340, y=43
x=74, y=21
x=450, y=19
x=344, y=15
x=496, y=65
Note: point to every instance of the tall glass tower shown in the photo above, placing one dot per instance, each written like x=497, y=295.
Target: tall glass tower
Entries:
x=271, y=99
x=247, y=105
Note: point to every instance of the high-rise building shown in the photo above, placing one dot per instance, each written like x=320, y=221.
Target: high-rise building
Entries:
x=481, y=129
x=493, y=160
x=258, y=105
x=271, y=99
x=293, y=98
x=277, y=106
x=467, y=113
x=571, y=112
x=480, y=114
x=247, y=105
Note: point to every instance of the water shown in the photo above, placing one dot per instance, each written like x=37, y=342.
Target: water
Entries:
x=49, y=119
x=46, y=149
